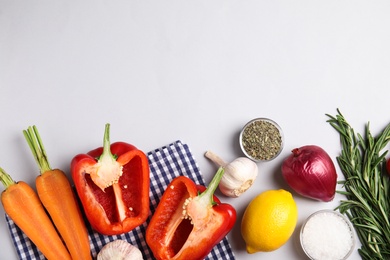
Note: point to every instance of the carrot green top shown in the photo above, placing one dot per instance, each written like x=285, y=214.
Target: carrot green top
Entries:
x=34, y=141
x=6, y=179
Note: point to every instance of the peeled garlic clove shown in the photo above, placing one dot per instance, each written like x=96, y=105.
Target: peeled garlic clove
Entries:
x=119, y=250
x=239, y=174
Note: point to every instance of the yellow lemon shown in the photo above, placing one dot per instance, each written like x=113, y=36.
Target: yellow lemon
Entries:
x=269, y=221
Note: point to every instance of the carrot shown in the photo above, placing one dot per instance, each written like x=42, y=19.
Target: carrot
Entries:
x=23, y=206
x=57, y=196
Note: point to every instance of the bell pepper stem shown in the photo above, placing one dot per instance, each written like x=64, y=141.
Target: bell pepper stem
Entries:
x=6, y=179
x=209, y=192
x=107, y=170
x=107, y=144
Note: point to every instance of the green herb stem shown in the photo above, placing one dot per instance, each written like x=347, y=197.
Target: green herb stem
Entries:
x=366, y=186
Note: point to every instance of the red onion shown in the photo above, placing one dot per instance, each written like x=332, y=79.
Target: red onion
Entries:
x=388, y=166
x=310, y=172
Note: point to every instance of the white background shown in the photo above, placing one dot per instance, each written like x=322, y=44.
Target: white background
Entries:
x=197, y=71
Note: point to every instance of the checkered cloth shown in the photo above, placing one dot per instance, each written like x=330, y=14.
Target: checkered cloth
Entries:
x=166, y=163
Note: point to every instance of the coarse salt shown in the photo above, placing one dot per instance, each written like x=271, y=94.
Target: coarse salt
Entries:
x=327, y=236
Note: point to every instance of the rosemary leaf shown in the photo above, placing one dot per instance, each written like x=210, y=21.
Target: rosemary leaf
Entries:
x=369, y=228
x=366, y=186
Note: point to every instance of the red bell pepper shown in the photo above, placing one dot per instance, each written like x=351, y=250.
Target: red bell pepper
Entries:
x=113, y=183
x=189, y=221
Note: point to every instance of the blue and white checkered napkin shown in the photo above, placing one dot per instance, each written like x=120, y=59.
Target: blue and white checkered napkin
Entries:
x=166, y=163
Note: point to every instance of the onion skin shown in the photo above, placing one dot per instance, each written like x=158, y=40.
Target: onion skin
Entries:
x=388, y=166
x=310, y=172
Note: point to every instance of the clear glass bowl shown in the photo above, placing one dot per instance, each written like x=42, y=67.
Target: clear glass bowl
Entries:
x=261, y=139
x=322, y=238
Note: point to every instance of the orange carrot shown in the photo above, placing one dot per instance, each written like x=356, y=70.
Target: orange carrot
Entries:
x=23, y=206
x=57, y=196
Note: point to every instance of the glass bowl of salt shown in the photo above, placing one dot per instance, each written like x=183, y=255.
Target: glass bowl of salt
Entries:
x=327, y=235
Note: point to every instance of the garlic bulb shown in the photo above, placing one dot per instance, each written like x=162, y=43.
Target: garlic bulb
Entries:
x=119, y=250
x=239, y=174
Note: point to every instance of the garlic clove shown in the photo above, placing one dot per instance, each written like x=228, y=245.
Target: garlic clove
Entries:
x=239, y=175
x=119, y=250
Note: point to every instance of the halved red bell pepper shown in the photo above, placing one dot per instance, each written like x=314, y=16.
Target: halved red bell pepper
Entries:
x=113, y=184
x=189, y=220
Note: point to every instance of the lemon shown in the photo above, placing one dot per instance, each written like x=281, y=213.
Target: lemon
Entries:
x=269, y=221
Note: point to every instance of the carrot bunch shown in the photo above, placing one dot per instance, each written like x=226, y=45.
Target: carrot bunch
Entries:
x=24, y=207
x=50, y=217
x=56, y=194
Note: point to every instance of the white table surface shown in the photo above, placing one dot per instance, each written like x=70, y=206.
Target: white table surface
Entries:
x=197, y=71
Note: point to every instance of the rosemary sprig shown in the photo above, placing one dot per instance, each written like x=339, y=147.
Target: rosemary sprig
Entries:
x=367, y=188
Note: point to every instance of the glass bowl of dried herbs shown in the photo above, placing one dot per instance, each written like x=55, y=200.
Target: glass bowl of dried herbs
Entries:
x=261, y=139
